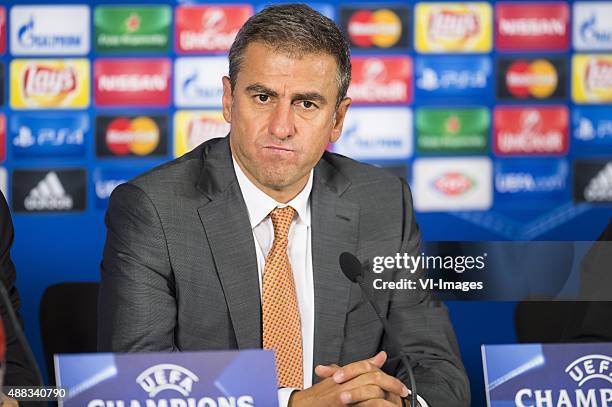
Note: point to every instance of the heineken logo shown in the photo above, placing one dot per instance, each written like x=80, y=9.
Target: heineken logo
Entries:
x=133, y=28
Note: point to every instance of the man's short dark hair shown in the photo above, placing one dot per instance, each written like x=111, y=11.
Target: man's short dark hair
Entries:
x=297, y=30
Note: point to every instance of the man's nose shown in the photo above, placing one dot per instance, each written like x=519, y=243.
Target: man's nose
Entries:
x=281, y=121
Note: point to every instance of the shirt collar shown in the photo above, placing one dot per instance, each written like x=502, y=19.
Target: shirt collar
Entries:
x=259, y=204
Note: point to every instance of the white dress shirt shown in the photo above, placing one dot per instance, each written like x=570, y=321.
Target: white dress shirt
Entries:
x=259, y=205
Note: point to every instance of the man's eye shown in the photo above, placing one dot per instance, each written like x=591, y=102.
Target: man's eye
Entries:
x=263, y=98
x=308, y=104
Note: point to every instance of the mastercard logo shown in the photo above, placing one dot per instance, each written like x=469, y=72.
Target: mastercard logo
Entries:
x=381, y=28
x=537, y=79
x=138, y=136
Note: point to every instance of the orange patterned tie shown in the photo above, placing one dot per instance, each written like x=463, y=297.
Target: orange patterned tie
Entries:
x=281, y=316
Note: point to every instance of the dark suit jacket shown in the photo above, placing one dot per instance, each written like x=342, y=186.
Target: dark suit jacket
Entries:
x=180, y=271
x=18, y=370
x=590, y=321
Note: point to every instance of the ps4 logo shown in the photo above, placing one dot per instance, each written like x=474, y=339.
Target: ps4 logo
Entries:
x=48, y=137
x=430, y=80
x=587, y=131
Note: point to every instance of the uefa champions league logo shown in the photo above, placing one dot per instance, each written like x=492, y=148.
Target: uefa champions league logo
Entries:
x=582, y=370
x=590, y=367
x=167, y=376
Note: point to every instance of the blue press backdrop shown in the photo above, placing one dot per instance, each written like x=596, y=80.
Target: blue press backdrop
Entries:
x=53, y=248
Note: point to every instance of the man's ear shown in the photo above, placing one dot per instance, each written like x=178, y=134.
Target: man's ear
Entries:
x=227, y=99
x=339, y=116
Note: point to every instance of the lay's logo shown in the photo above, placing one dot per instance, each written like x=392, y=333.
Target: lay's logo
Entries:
x=52, y=81
x=371, y=27
x=49, y=84
x=453, y=27
x=592, y=80
x=193, y=127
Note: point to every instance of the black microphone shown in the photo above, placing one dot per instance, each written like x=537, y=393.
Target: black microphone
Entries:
x=352, y=269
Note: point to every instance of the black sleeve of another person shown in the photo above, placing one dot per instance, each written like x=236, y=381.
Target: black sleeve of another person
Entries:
x=18, y=370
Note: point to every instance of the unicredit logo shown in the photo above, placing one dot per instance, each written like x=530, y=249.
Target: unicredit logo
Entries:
x=453, y=183
x=598, y=75
x=209, y=28
x=531, y=136
x=47, y=81
x=211, y=36
x=374, y=84
x=451, y=25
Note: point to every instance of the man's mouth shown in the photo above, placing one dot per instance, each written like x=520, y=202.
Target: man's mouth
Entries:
x=278, y=148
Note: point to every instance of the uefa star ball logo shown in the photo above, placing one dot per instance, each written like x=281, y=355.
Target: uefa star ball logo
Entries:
x=167, y=376
x=590, y=367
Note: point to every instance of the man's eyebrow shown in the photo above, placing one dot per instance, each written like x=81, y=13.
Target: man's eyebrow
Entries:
x=259, y=88
x=313, y=96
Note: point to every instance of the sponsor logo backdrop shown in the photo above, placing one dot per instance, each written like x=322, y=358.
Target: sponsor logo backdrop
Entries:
x=497, y=113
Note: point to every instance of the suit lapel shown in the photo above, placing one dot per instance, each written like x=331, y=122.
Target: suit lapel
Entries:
x=334, y=230
x=226, y=225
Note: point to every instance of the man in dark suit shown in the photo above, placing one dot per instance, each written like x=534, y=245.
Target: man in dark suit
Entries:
x=235, y=245
x=19, y=370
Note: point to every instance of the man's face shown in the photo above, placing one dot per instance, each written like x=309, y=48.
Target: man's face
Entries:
x=282, y=114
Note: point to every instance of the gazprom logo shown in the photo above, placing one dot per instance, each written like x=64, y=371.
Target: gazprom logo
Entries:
x=590, y=367
x=29, y=38
x=167, y=376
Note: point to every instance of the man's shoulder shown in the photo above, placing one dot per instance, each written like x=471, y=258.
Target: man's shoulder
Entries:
x=360, y=174
x=176, y=175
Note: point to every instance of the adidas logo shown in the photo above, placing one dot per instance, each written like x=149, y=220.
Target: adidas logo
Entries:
x=49, y=194
x=599, y=188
